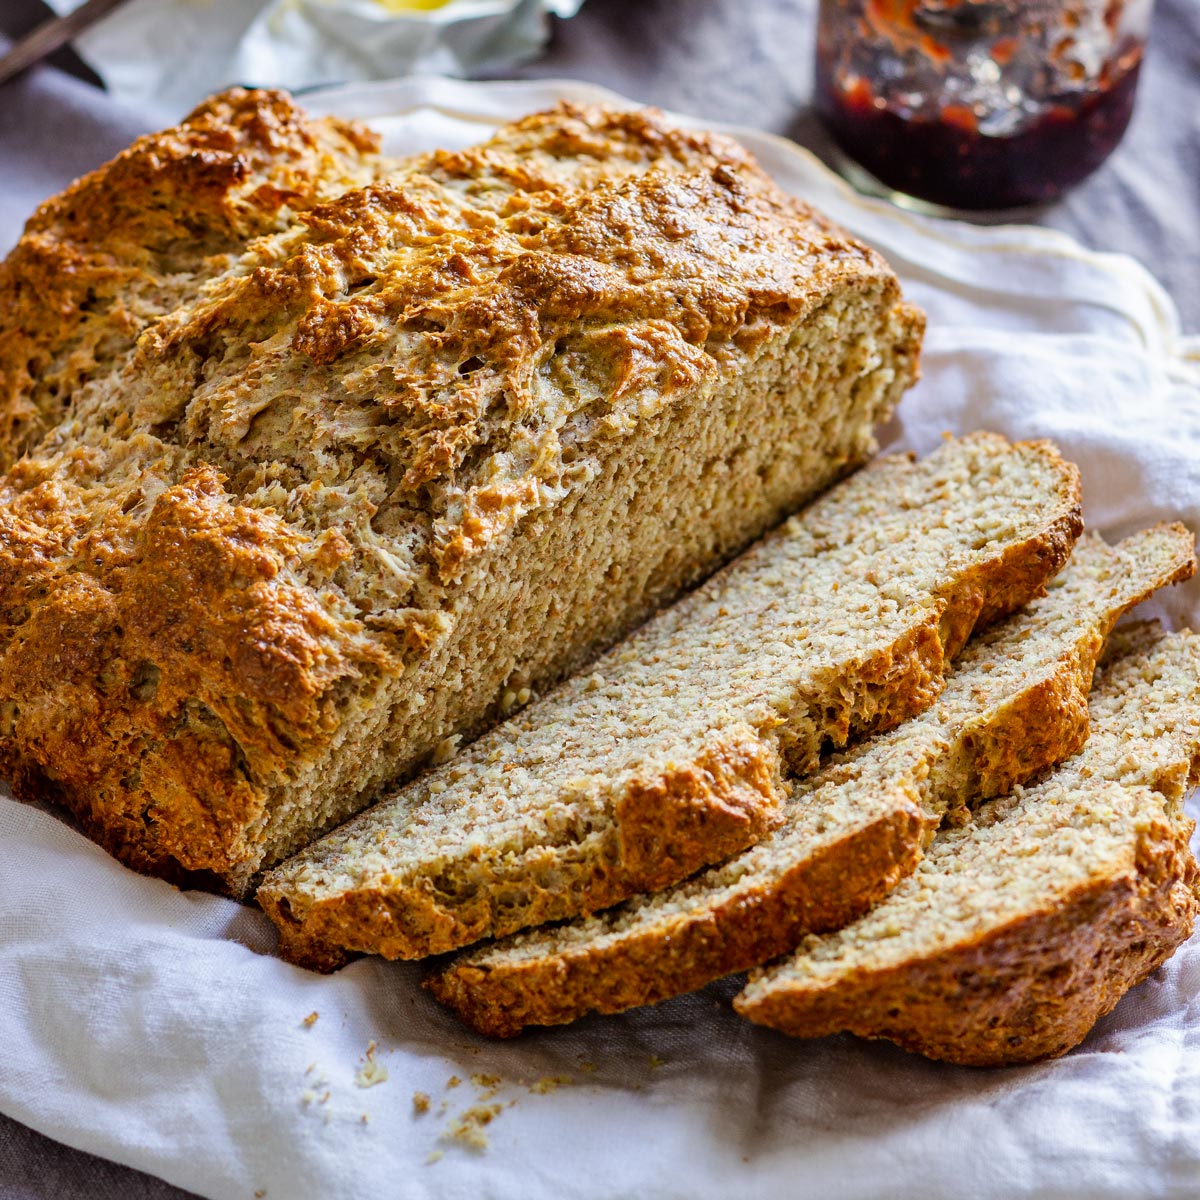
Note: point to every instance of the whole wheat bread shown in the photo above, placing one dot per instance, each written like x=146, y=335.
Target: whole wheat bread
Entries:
x=1018, y=932
x=1015, y=703
x=669, y=753
x=329, y=461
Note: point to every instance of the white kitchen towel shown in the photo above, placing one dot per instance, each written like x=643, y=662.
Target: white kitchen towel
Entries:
x=156, y=1028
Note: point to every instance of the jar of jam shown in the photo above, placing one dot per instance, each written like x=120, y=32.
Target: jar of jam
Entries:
x=978, y=104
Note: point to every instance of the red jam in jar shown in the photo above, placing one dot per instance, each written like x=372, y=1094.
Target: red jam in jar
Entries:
x=979, y=104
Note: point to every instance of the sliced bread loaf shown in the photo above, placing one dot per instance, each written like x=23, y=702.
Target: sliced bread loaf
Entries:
x=1018, y=932
x=668, y=754
x=1015, y=703
x=434, y=443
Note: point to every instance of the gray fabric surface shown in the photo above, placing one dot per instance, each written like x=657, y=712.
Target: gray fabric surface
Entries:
x=744, y=61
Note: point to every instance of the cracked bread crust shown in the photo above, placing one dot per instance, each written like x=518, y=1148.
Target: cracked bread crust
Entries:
x=122, y=246
x=324, y=514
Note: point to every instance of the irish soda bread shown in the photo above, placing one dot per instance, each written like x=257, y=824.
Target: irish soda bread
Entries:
x=1015, y=703
x=668, y=754
x=295, y=512
x=1018, y=932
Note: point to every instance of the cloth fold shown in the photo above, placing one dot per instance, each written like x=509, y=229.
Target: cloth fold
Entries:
x=155, y=1027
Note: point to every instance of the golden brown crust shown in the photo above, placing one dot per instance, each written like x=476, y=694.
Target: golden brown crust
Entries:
x=694, y=813
x=659, y=280
x=883, y=690
x=187, y=642
x=1030, y=990
x=1044, y=725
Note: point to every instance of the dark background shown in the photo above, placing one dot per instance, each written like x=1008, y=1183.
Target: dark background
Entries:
x=741, y=61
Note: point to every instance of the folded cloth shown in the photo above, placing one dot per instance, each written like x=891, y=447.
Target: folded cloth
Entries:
x=154, y=1027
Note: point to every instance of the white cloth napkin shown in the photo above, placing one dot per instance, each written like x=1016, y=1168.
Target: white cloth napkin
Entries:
x=155, y=1027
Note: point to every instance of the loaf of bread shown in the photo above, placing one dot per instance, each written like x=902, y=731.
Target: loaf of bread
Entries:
x=669, y=753
x=1018, y=932
x=330, y=462
x=1014, y=704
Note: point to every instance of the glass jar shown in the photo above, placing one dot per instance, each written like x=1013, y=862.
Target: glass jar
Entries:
x=979, y=104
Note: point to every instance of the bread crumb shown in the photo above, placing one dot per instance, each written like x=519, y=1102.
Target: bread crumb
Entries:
x=548, y=1083
x=260, y=1193
x=446, y=749
x=371, y=1072
x=467, y=1128
x=488, y=1085
x=307, y=1097
x=421, y=1102
x=453, y=1081
x=312, y=1066
x=434, y=1156
x=587, y=1066
x=310, y=1020
x=365, y=1119
x=656, y=1062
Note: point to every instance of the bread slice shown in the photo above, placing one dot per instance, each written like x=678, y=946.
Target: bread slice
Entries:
x=1015, y=703
x=668, y=754
x=120, y=248
x=431, y=446
x=1018, y=932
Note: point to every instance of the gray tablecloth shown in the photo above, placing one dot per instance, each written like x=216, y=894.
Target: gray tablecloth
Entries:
x=745, y=61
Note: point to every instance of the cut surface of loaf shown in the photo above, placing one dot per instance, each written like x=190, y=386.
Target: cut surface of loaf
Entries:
x=296, y=511
x=1014, y=704
x=668, y=753
x=1018, y=932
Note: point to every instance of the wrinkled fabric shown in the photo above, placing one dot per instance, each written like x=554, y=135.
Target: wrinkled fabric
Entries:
x=156, y=1028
